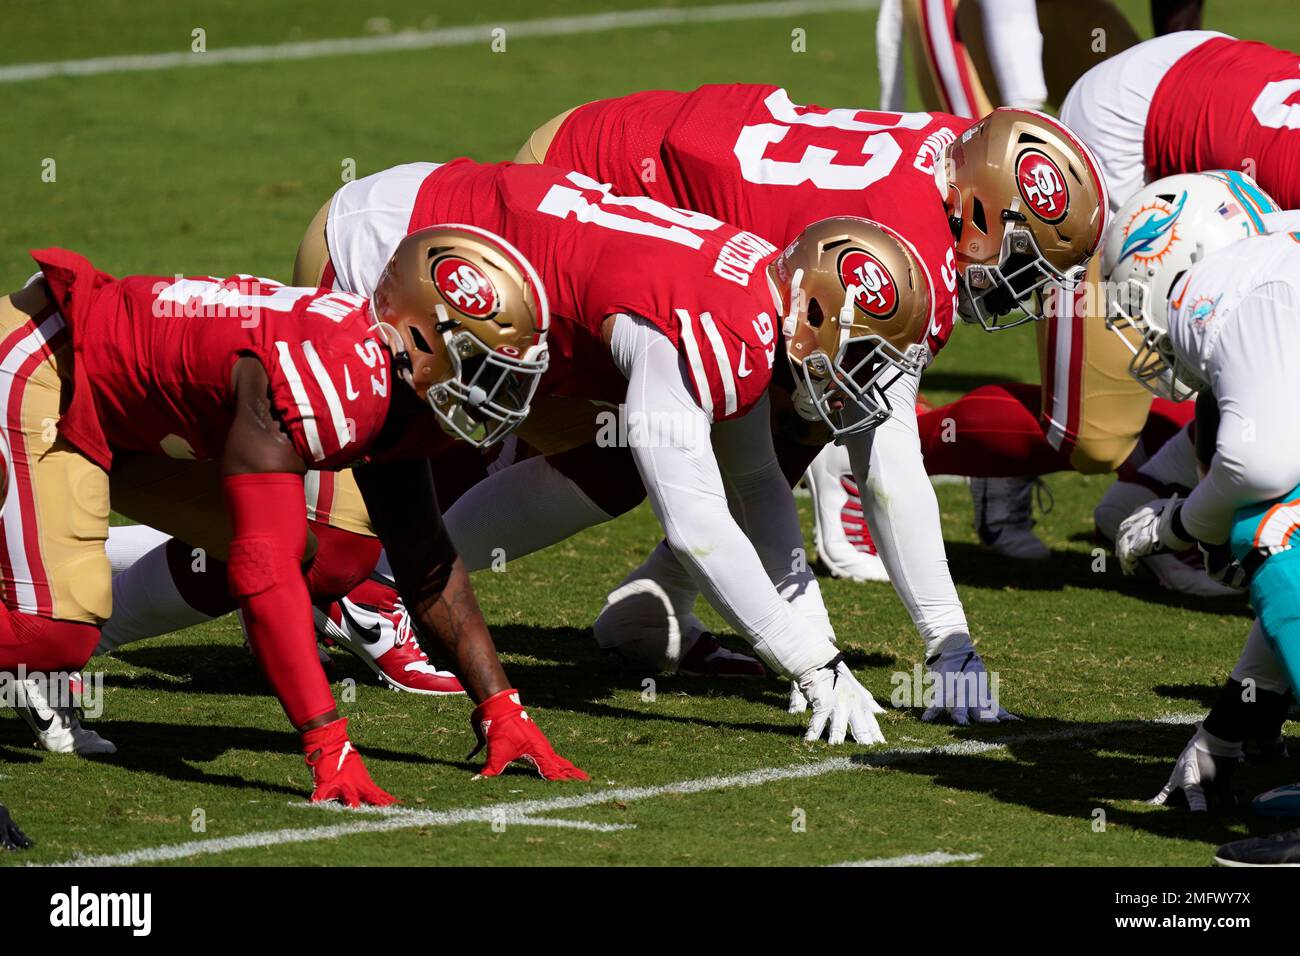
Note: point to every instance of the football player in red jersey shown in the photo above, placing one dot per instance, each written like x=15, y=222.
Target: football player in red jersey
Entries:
x=268, y=381
x=685, y=306
x=673, y=316
x=997, y=210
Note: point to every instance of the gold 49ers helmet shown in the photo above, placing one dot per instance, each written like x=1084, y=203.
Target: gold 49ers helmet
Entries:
x=466, y=317
x=1029, y=205
x=859, y=305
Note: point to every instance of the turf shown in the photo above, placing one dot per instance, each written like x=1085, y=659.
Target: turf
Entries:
x=218, y=170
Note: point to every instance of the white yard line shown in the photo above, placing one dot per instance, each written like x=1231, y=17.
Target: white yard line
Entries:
x=525, y=812
x=937, y=858
x=471, y=35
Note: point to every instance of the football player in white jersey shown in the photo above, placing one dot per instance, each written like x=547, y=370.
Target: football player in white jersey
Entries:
x=1185, y=102
x=1206, y=292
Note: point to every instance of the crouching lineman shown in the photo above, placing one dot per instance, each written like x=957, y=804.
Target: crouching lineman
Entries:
x=1208, y=299
x=671, y=314
x=991, y=212
x=266, y=381
x=1190, y=101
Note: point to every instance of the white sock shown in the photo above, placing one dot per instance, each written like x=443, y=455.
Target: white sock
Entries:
x=1015, y=47
x=1120, y=500
x=1174, y=463
x=146, y=603
x=523, y=508
x=127, y=544
x=889, y=56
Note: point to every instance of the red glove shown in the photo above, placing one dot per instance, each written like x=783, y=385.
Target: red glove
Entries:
x=336, y=768
x=504, y=727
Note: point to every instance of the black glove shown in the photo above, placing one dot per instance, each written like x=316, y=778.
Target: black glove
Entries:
x=11, y=838
x=1222, y=567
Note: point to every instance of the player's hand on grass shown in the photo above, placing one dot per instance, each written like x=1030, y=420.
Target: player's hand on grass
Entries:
x=965, y=693
x=1203, y=772
x=11, y=838
x=840, y=703
x=509, y=734
x=1150, y=529
x=336, y=768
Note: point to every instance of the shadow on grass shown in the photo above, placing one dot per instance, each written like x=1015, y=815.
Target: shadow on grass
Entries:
x=1069, y=770
x=974, y=567
x=554, y=667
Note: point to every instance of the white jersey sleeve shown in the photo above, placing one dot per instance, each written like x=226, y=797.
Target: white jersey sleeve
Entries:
x=1107, y=107
x=1238, y=322
x=368, y=217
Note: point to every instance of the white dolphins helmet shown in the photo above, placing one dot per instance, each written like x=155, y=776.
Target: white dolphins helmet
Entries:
x=1160, y=233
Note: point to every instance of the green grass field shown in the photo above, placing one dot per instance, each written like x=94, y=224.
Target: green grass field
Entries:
x=217, y=170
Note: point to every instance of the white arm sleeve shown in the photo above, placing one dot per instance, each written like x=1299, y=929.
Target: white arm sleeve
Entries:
x=762, y=502
x=672, y=446
x=1257, y=451
x=903, y=515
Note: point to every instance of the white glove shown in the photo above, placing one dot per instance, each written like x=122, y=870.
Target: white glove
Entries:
x=1202, y=760
x=1148, y=530
x=798, y=702
x=838, y=699
x=965, y=693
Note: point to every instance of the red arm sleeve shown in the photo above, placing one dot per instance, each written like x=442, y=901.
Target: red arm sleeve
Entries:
x=269, y=515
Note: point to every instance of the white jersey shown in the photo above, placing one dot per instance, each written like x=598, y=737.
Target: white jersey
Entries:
x=367, y=219
x=1107, y=107
x=1235, y=319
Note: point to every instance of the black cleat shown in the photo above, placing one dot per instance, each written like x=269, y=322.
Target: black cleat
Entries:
x=11, y=838
x=1279, y=849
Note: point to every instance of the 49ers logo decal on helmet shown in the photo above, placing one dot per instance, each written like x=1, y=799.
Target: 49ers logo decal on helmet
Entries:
x=465, y=287
x=1042, y=184
x=877, y=295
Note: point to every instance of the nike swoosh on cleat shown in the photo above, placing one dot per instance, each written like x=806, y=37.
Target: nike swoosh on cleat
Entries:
x=369, y=635
x=34, y=716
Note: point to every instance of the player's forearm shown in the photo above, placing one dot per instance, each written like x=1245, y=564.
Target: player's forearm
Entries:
x=903, y=514
x=683, y=480
x=1255, y=460
x=449, y=612
x=760, y=497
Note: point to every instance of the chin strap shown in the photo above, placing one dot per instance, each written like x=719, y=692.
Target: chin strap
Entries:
x=791, y=323
x=393, y=340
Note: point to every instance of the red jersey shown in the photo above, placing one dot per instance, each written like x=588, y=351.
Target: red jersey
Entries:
x=1229, y=104
x=154, y=355
x=745, y=154
x=702, y=282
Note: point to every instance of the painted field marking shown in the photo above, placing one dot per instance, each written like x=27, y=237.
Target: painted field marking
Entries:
x=390, y=819
x=468, y=35
x=936, y=858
